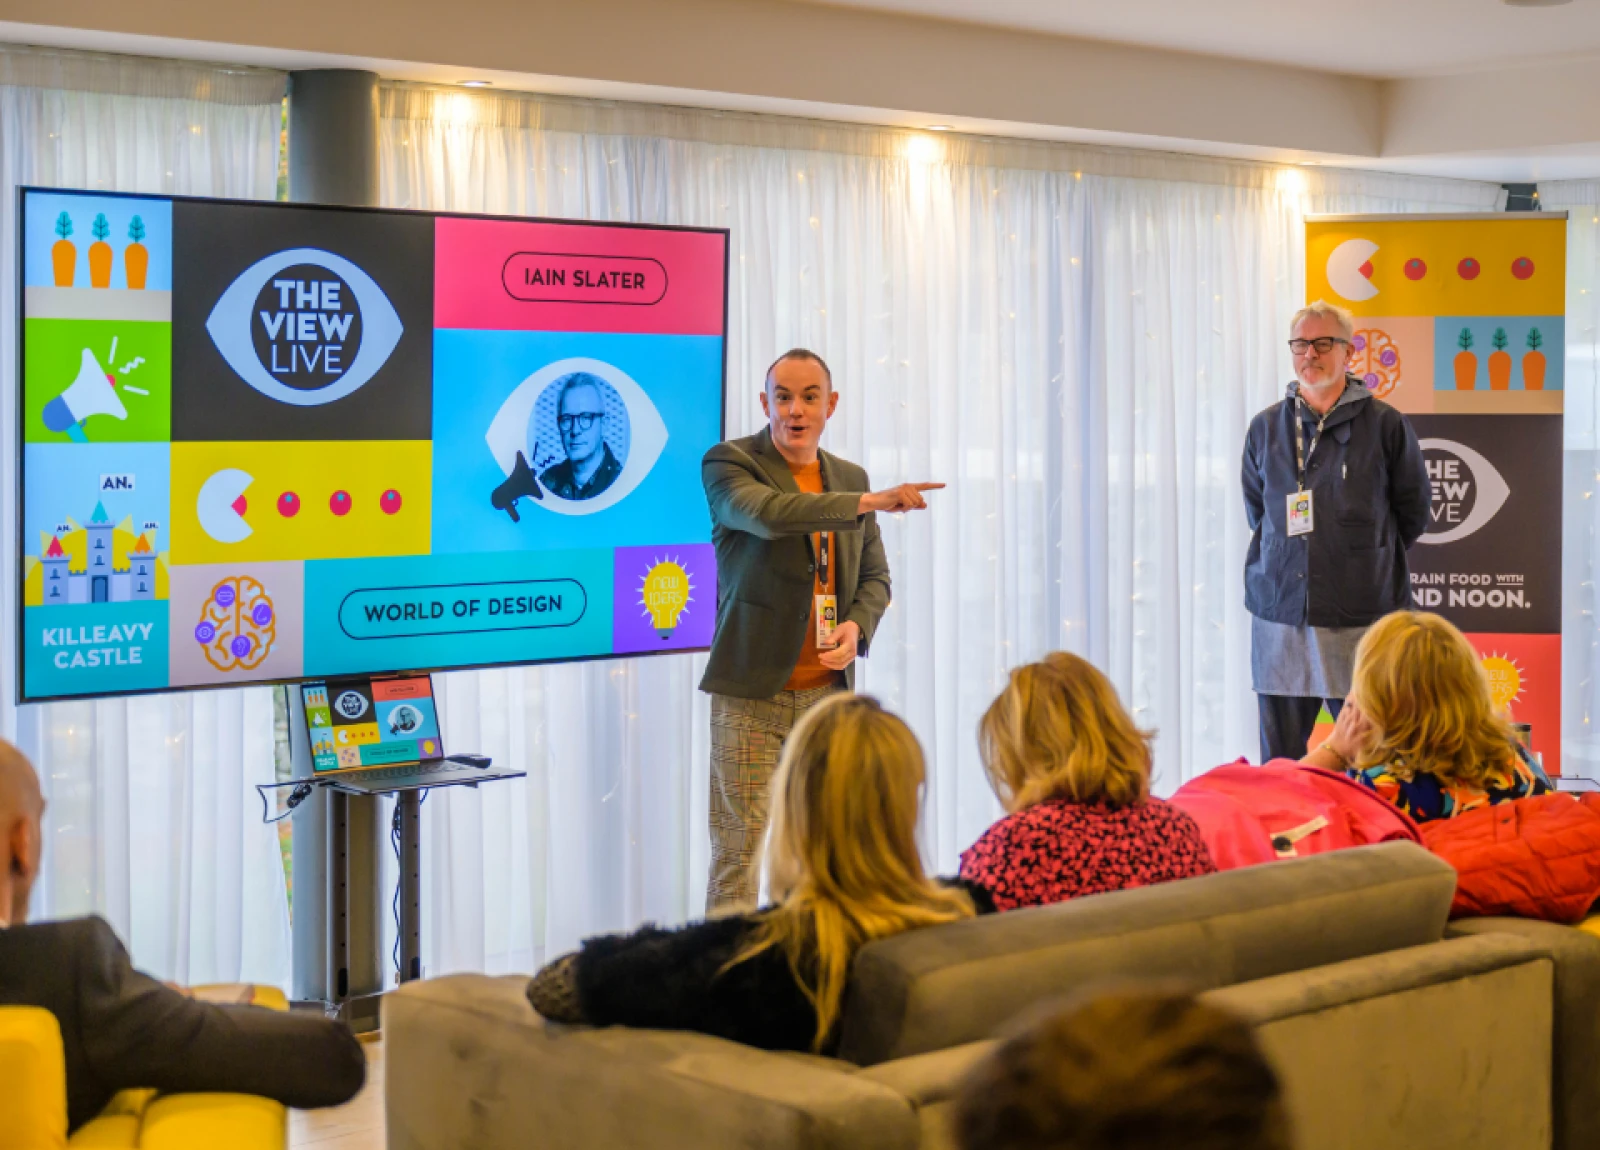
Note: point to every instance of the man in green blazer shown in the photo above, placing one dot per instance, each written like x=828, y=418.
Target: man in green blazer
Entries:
x=801, y=584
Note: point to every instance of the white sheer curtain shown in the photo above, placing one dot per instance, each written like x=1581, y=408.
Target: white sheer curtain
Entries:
x=1073, y=339
x=153, y=822
x=1580, y=602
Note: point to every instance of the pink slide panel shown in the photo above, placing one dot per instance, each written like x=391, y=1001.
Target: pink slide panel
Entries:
x=509, y=275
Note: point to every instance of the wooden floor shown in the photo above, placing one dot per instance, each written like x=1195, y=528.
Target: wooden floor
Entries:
x=357, y=1125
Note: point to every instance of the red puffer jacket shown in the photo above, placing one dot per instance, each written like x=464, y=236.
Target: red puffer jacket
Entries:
x=1532, y=858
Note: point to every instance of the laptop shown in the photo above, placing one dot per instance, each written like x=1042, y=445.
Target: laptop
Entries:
x=379, y=734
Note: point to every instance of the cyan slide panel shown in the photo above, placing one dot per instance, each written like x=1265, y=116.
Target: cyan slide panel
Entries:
x=456, y=610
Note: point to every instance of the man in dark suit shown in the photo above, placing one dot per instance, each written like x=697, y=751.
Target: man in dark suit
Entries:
x=122, y=1029
x=801, y=584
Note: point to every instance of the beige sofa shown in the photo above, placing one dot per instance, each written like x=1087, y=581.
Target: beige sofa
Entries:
x=1388, y=1035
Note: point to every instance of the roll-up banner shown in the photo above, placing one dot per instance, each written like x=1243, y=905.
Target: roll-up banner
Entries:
x=1460, y=323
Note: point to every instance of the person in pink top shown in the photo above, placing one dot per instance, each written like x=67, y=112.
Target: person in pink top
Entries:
x=1073, y=772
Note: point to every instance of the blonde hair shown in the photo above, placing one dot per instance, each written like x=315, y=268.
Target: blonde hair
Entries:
x=1342, y=316
x=842, y=851
x=1058, y=731
x=1420, y=683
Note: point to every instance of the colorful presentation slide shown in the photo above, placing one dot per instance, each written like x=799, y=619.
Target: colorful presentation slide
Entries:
x=270, y=442
x=366, y=722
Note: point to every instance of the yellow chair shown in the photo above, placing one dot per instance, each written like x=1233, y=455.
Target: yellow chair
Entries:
x=33, y=1098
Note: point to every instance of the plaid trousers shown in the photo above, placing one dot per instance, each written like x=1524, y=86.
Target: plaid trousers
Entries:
x=746, y=737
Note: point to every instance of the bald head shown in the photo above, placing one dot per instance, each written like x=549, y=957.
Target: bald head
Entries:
x=19, y=785
x=21, y=807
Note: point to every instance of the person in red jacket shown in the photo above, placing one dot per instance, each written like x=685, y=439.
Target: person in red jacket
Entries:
x=1420, y=726
x=1069, y=765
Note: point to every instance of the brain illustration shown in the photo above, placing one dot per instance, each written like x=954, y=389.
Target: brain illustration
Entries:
x=1375, y=361
x=237, y=624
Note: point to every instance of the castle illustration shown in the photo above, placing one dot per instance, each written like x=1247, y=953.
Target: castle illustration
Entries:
x=95, y=577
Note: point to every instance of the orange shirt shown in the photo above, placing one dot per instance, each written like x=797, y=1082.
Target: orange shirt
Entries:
x=809, y=673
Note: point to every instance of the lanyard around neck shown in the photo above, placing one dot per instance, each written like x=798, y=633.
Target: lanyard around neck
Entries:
x=1302, y=454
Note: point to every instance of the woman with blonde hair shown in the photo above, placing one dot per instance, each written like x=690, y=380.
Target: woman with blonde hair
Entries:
x=843, y=869
x=1073, y=772
x=1420, y=726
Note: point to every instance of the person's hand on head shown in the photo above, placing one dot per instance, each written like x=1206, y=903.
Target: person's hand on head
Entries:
x=846, y=640
x=904, y=497
x=1352, y=731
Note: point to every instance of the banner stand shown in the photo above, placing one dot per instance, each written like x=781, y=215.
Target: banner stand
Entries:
x=1461, y=324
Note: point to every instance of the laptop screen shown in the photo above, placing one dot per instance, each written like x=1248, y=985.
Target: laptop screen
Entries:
x=371, y=722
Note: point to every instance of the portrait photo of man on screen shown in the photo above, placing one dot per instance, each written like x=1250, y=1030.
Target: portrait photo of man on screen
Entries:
x=581, y=420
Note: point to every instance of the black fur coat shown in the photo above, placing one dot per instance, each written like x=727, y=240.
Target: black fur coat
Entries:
x=674, y=980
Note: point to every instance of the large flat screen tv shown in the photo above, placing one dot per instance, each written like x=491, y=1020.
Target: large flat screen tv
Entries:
x=264, y=442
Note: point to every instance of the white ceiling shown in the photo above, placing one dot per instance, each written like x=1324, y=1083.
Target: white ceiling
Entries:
x=1466, y=88
x=1381, y=38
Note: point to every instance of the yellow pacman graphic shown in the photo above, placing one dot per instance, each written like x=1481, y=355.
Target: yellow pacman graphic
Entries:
x=355, y=735
x=236, y=502
x=1430, y=266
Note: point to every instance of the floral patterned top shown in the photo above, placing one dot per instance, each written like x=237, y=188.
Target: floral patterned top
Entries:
x=1426, y=797
x=1059, y=850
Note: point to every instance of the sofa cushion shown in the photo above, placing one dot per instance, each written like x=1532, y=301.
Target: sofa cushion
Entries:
x=1577, y=1007
x=33, y=1079
x=1451, y=1015
x=1464, y=1030
x=468, y=1065
x=931, y=989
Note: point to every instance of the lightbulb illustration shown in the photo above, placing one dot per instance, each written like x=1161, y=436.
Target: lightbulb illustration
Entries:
x=1505, y=679
x=664, y=595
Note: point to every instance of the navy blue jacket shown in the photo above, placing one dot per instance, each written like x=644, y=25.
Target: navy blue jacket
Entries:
x=1370, y=502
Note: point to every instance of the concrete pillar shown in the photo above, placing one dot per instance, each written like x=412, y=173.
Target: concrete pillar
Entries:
x=333, y=137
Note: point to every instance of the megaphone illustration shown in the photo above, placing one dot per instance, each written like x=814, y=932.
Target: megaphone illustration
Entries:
x=90, y=394
x=520, y=482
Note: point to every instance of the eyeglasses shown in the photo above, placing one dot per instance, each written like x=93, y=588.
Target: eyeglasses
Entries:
x=1323, y=344
x=583, y=421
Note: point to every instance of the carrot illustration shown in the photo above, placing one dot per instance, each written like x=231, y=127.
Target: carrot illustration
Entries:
x=1466, y=363
x=135, y=257
x=100, y=253
x=1533, y=362
x=64, y=253
x=1499, y=362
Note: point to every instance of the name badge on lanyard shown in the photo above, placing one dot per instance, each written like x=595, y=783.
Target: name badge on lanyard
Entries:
x=1299, y=515
x=1298, y=518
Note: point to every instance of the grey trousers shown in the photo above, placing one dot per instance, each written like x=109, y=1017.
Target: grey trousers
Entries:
x=746, y=738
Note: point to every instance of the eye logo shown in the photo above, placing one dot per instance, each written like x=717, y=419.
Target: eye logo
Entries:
x=305, y=327
x=575, y=437
x=351, y=704
x=1467, y=490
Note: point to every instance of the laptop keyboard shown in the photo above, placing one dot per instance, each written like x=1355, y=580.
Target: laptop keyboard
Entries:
x=410, y=771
